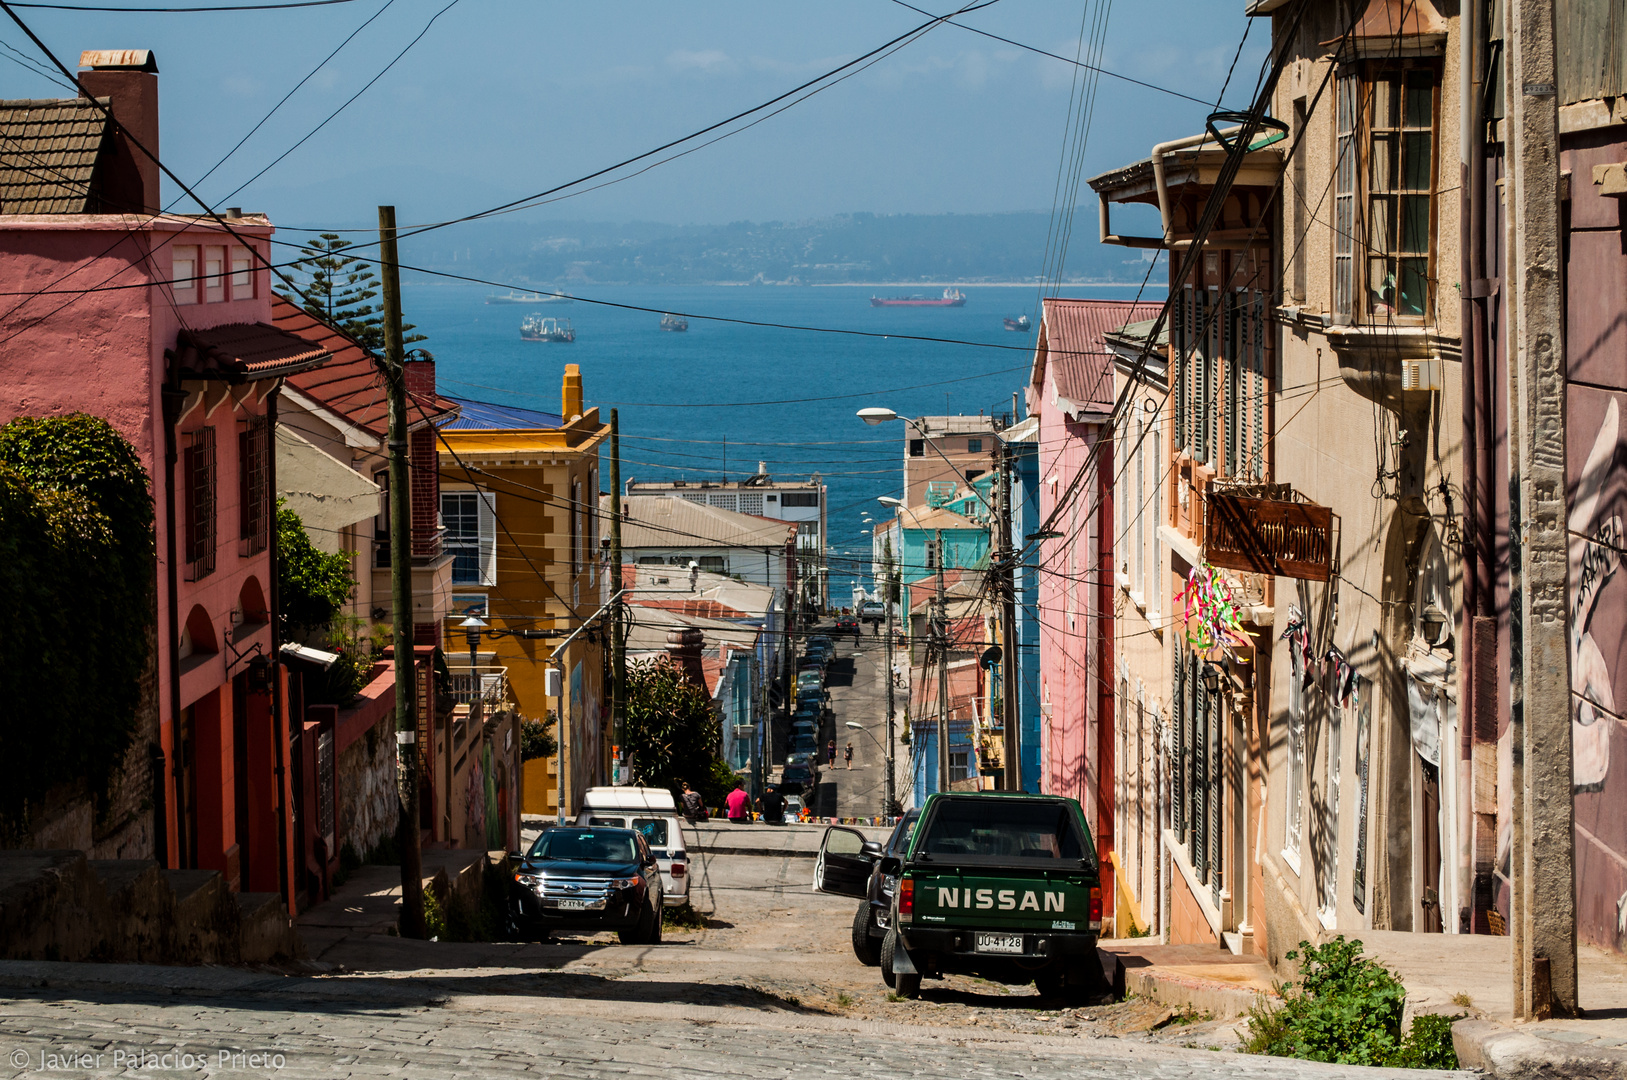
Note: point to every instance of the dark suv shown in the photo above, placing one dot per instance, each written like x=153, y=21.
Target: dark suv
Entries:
x=587, y=879
x=870, y=921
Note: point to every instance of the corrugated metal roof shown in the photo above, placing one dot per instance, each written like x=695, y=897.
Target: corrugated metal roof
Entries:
x=1072, y=349
x=659, y=521
x=488, y=416
x=351, y=383
x=245, y=351
x=48, y=154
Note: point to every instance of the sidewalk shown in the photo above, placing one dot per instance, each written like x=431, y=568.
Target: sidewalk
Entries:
x=369, y=902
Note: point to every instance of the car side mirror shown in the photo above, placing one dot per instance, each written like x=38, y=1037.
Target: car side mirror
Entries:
x=892, y=864
x=871, y=849
x=517, y=856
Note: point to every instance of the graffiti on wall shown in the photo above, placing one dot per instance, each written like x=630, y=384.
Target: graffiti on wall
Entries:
x=1598, y=647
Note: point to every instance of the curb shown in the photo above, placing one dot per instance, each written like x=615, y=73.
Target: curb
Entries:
x=1221, y=1001
x=1508, y=1054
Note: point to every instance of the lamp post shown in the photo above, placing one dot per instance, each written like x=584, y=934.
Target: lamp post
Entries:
x=876, y=415
x=471, y=627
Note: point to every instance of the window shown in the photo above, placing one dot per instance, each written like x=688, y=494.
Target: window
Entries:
x=973, y=474
x=799, y=498
x=1295, y=243
x=957, y=765
x=198, y=467
x=214, y=274
x=381, y=523
x=254, y=486
x=470, y=520
x=917, y=448
x=1003, y=828
x=974, y=446
x=184, y=274
x=714, y=564
x=242, y=275
x=1384, y=184
x=1138, y=570
x=576, y=527
x=1295, y=802
x=1196, y=775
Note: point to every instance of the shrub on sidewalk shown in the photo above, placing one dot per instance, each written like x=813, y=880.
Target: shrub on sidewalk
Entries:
x=1347, y=1009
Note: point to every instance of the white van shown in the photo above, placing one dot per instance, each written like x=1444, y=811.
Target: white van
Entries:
x=653, y=812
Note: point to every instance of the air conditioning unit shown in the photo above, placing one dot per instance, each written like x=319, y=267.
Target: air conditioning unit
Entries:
x=1421, y=375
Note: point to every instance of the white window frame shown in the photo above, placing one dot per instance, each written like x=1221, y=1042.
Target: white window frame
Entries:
x=486, y=530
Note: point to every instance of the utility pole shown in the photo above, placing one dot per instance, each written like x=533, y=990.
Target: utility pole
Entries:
x=1544, y=855
x=941, y=635
x=406, y=690
x=618, y=641
x=890, y=808
x=1009, y=666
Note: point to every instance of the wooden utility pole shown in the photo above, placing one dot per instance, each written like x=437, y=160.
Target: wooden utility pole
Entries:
x=618, y=652
x=406, y=690
x=1010, y=666
x=1544, y=854
x=942, y=638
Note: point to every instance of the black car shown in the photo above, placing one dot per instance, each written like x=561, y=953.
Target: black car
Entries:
x=587, y=879
x=847, y=624
x=797, y=777
x=871, y=920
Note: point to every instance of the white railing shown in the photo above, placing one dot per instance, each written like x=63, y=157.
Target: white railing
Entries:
x=484, y=684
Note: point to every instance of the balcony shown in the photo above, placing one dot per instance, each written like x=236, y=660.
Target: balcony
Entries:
x=484, y=684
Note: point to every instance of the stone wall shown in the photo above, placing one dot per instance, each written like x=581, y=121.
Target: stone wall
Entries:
x=365, y=779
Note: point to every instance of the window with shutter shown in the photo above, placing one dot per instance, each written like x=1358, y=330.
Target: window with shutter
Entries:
x=199, y=467
x=254, y=486
x=1179, y=337
x=488, y=537
x=1202, y=807
x=1344, y=198
x=1177, y=773
x=1295, y=801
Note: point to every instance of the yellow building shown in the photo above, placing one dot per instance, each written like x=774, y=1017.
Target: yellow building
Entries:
x=519, y=500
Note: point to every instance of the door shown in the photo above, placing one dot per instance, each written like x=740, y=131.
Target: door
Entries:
x=844, y=864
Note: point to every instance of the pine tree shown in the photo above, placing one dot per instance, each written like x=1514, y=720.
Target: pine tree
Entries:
x=337, y=288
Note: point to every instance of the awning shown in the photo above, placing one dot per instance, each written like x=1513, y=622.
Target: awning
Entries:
x=244, y=352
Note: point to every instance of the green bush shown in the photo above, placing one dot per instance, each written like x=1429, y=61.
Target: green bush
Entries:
x=1347, y=1009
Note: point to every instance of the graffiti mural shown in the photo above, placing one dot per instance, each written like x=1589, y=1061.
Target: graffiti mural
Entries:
x=1598, y=596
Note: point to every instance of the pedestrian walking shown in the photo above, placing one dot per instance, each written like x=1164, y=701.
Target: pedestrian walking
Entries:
x=849, y=761
x=830, y=754
x=694, y=809
x=875, y=629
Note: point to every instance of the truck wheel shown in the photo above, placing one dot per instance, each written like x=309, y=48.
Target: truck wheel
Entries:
x=864, y=946
x=908, y=986
x=1051, y=984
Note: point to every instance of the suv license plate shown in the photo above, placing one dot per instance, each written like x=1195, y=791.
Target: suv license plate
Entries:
x=1000, y=943
x=572, y=905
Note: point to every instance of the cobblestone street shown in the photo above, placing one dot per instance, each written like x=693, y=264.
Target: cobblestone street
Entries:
x=767, y=988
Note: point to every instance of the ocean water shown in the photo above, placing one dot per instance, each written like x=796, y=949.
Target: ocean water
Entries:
x=719, y=398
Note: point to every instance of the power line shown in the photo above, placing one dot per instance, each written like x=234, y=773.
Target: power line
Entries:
x=186, y=10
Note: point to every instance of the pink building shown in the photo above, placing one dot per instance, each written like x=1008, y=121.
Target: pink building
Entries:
x=1071, y=392
x=161, y=324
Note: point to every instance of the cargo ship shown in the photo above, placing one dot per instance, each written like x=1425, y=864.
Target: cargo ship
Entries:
x=1019, y=323
x=540, y=328
x=950, y=298
x=531, y=299
x=674, y=322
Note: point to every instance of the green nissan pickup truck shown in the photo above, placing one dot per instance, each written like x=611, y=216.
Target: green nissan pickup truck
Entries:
x=1003, y=886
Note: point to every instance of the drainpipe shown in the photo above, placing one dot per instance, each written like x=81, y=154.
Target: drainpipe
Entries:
x=172, y=398
x=1158, y=153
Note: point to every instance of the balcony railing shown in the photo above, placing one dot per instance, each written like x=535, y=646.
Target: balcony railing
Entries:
x=488, y=685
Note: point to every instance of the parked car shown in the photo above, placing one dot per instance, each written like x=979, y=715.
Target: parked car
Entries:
x=800, y=775
x=874, y=916
x=793, y=806
x=810, y=680
x=653, y=813
x=803, y=744
x=1000, y=885
x=588, y=879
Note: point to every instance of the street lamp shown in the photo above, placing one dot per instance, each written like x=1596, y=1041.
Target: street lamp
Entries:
x=471, y=627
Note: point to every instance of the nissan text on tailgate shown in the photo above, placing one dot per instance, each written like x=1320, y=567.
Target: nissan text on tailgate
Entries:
x=1000, y=886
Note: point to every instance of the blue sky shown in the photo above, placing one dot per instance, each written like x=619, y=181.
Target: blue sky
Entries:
x=504, y=97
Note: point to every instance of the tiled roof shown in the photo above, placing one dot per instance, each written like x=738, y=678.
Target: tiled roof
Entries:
x=1073, y=350
x=932, y=520
x=487, y=416
x=48, y=153
x=245, y=351
x=706, y=609
x=351, y=383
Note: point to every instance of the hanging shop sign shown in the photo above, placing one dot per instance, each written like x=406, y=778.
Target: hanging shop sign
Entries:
x=1282, y=537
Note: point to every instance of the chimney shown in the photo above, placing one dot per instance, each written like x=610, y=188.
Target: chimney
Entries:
x=570, y=393
x=129, y=79
x=684, y=647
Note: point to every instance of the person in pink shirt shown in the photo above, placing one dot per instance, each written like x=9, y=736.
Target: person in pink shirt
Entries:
x=739, y=804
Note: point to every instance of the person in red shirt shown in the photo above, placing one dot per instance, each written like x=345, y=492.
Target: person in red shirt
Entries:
x=739, y=804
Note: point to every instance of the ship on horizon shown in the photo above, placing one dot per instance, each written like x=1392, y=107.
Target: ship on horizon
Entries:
x=532, y=299
x=951, y=297
x=546, y=328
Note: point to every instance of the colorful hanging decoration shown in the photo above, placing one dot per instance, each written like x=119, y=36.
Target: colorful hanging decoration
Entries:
x=1212, y=612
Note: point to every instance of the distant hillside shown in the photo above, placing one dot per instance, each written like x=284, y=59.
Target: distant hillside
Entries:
x=851, y=248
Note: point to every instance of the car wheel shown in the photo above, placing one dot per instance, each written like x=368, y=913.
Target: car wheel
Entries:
x=886, y=959
x=658, y=921
x=864, y=946
x=639, y=932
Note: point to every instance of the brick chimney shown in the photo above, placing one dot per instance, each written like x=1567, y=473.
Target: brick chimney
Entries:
x=684, y=647
x=129, y=78
x=570, y=393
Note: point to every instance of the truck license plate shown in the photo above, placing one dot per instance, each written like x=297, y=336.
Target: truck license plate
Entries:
x=572, y=905
x=1000, y=943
